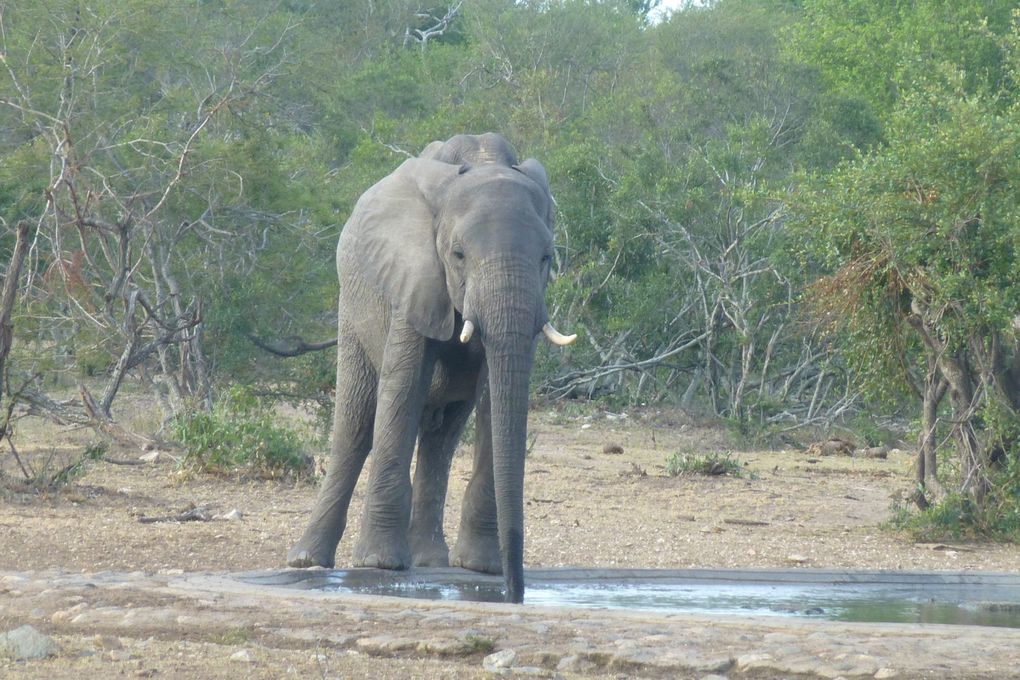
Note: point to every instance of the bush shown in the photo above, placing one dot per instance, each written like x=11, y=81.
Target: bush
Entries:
x=241, y=433
x=957, y=516
x=714, y=463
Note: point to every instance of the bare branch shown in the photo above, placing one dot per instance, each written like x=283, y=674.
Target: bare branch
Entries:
x=291, y=347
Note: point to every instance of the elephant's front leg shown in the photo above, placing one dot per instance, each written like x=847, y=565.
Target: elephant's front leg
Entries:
x=436, y=446
x=477, y=545
x=408, y=360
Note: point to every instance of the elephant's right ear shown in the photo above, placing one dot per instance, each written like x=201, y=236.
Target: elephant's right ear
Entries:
x=393, y=231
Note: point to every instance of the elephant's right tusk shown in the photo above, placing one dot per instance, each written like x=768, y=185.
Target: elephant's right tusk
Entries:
x=557, y=338
x=467, y=332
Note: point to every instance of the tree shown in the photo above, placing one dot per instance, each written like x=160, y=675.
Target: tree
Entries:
x=923, y=236
x=127, y=164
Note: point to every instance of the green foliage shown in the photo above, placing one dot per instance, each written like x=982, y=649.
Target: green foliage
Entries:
x=957, y=516
x=241, y=434
x=712, y=464
x=880, y=51
x=869, y=433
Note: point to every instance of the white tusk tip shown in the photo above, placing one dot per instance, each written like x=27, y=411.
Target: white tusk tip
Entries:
x=467, y=332
x=557, y=338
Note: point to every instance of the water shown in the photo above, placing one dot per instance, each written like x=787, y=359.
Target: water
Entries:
x=894, y=597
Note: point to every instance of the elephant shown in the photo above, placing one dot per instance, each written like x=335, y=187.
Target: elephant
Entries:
x=443, y=267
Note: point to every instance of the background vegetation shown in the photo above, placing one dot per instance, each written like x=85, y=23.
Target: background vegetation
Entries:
x=775, y=212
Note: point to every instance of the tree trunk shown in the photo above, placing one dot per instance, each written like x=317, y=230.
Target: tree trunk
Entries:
x=973, y=457
x=7, y=298
x=927, y=463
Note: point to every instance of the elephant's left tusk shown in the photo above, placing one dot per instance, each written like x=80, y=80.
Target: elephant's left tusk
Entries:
x=467, y=332
x=557, y=338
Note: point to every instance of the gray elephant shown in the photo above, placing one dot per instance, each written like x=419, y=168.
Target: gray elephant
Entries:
x=443, y=267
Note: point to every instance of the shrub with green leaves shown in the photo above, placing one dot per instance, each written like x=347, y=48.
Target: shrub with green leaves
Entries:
x=958, y=517
x=241, y=433
x=712, y=464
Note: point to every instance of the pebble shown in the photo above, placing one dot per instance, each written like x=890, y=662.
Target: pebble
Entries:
x=27, y=643
x=243, y=655
x=499, y=662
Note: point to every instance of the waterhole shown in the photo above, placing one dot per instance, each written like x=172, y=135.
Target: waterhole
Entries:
x=863, y=596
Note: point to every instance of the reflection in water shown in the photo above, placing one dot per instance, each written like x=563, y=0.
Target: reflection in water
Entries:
x=928, y=599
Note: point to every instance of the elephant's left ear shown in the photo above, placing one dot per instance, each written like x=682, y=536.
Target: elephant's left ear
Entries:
x=536, y=173
x=394, y=231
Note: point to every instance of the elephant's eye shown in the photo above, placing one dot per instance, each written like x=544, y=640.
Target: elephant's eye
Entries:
x=458, y=254
x=545, y=259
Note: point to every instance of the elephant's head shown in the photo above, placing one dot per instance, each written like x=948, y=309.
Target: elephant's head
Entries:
x=467, y=248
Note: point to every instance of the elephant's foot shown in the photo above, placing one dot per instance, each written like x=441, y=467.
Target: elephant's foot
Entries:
x=302, y=556
x=433, y=553
x=477, y=553
x=382, y=552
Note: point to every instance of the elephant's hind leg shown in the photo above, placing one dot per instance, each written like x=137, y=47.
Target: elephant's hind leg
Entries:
x=352, y=440
x=436, y=446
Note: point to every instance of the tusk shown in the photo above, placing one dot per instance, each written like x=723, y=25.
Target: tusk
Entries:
x=467, y=332
x=557, y=338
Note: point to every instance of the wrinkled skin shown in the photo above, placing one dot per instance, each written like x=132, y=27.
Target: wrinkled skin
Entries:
x=461, y=232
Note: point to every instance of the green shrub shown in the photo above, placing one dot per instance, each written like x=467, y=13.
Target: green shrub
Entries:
x=241, y=433
x=714, y=463
x=957, y=516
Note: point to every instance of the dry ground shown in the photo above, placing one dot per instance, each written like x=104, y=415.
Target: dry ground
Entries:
x=585, y=508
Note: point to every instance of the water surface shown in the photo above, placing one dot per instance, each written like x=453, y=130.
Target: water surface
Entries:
x=864, y=596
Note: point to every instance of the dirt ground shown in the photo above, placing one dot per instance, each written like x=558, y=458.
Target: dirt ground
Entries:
x=587, y=505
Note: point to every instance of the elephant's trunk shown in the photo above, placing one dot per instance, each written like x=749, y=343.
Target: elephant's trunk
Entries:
x=508, y=320
x=508, y=389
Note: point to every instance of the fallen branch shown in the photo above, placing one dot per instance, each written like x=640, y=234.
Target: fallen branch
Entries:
x=292, y=347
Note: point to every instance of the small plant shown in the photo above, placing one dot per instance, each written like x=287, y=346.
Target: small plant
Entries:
x=95, y=451
x=49, y=473
x=478, y=644
x=713, y=463
x=240, y=433
x=234, y=636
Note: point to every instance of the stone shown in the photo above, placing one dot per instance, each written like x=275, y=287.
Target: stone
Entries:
x=886, y=673
x=243, y=655
x=26, y=643
x=385, y=644
x=67, y=615
x=231, y=516
x=751, y=662
x=150, y=457
x=499, y=662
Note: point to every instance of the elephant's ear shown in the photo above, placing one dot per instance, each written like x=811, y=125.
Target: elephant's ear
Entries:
x=536, y=173
x=393, y=230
